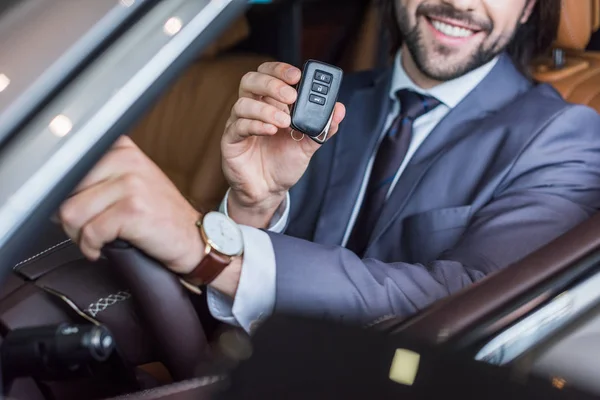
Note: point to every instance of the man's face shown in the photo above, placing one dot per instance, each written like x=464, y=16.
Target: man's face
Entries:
x=448, y=38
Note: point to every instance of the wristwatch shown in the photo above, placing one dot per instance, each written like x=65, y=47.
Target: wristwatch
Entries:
x=223, y=240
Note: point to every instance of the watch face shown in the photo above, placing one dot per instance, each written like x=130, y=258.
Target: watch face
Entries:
x=224, y=234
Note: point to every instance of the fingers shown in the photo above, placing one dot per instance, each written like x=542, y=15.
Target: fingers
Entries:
x=251, y=117
x=124, y=142
x=280, y=106
x=339, y=113
x=107, y=226
x=261, y=111
x=272, y=80
x=127, y=196
x=264, y=102
x=243, y=128
x=99, y=231
x=76, y=212
x=259, y=84
x=285, y=72
x=123, y=157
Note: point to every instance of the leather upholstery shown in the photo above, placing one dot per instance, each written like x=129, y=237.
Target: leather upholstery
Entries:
x=93, y=288
x=595, y=15
x=576, y=23
x=578, y=80
x=37, y=295
x=182, y=132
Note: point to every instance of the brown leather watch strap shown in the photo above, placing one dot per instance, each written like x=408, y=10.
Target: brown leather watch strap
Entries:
x=208, y=269
x=211, y=265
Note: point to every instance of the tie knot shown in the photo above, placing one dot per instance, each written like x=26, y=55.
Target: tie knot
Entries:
x=414, y=105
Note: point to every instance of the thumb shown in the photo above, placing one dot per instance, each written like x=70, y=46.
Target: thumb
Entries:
x=339, y=113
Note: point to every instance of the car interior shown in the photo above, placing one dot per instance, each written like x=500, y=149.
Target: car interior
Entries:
x=177, y=138
x=181, y=132
x=573, y=70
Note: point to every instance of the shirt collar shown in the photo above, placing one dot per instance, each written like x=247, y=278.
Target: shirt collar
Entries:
x=450, y=92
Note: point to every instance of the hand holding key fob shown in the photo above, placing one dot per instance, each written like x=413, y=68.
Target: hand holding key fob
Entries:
x=317, y=94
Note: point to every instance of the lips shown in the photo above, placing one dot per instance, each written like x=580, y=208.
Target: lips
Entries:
x=452, y=30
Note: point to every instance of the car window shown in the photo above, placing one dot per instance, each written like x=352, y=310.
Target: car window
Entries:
x=572, y=356
x=558, y=341
x=541, y=324
x=39, y=54
x=54, y=150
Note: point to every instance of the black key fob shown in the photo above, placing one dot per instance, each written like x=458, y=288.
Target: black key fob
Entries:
x=317, y=94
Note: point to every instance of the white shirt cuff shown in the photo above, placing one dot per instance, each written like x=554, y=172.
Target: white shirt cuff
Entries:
x=280, y=218
x=255, y=297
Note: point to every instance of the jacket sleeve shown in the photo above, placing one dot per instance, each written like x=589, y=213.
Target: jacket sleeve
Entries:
x=552, y=186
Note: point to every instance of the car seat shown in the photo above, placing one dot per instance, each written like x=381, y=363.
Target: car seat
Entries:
x=572, y=70
x=182, y=131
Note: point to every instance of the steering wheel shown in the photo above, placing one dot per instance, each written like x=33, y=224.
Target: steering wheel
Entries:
x=165, y=307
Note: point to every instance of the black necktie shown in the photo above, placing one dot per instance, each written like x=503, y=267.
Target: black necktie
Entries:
x=391, y=153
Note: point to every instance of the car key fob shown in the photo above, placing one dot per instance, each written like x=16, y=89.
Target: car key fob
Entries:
x=317, y=94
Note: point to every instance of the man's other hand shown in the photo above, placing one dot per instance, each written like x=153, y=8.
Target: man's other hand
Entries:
x=261, y=161
x=127, y=196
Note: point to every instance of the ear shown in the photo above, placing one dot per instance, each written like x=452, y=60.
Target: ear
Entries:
x=528, y=10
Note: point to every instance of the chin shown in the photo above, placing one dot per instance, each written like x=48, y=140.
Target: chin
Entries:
x=441, y=75
x=442, y=65
x=442, y=69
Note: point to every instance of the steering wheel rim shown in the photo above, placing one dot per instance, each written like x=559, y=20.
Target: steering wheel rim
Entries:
x=165, y=308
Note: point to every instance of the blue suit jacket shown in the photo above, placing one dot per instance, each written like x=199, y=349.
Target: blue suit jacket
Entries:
x=510, y=168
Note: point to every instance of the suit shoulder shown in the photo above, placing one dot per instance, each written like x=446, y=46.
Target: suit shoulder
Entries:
x=544, y=104
x=577, y=115
x=549, y=95
x=544, y=95
x=561, y=128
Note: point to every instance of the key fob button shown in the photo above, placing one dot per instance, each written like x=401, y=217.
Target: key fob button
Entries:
x=322, y=89
x=323, y=76
x=318, y=91
x=317, y=99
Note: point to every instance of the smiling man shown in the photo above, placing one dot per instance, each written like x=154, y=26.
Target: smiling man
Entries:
x=444, y=42
x=448, y=166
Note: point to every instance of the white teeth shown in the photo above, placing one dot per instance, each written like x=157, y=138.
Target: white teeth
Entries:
x=451, y=30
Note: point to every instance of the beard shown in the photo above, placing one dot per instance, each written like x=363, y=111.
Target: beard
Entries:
x=448, y=70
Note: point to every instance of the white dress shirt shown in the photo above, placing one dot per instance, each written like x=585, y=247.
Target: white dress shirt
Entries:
x=255, y=296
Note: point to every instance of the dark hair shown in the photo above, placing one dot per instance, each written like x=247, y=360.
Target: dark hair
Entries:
x=532, y=39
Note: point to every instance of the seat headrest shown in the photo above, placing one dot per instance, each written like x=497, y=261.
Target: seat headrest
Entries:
x=578, y=20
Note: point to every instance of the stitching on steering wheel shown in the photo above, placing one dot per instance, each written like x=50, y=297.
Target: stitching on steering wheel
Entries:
x=41, y=253
x=103, y=303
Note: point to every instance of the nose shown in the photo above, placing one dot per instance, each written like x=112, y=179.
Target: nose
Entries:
x=463, y=5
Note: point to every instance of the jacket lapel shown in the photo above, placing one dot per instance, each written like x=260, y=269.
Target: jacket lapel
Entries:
x=488, y=97
x=356, y=140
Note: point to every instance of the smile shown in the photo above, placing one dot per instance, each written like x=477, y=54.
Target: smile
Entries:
x=452, y=30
